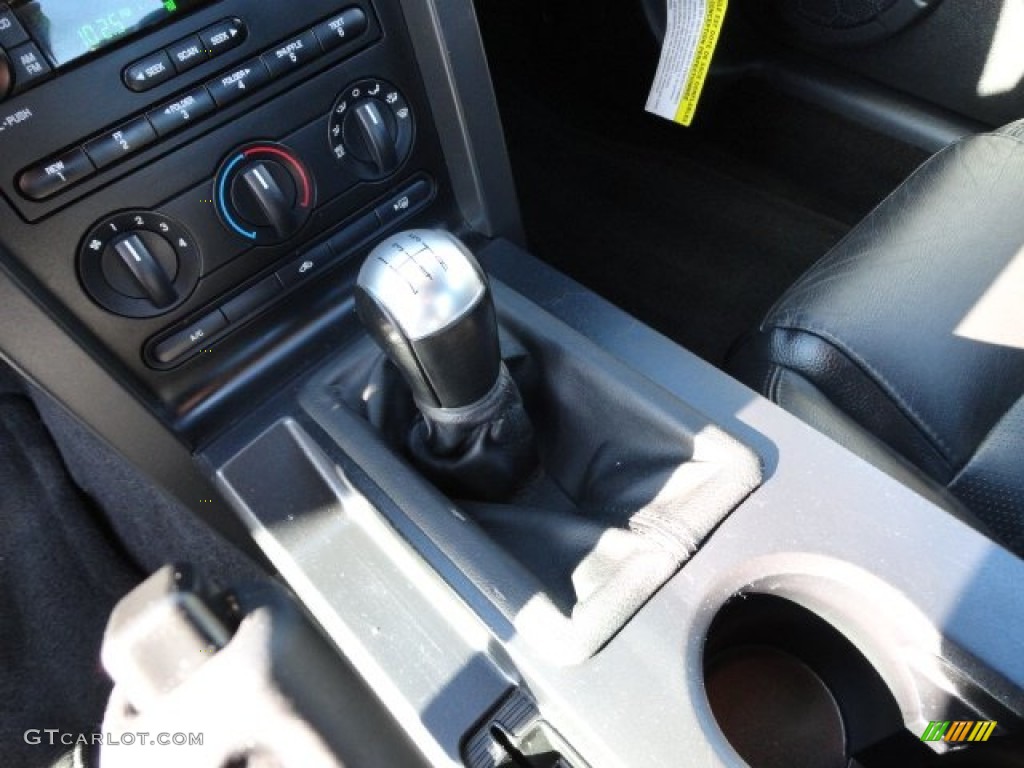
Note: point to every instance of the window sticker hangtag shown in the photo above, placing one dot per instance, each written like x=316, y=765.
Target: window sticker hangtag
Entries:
x=691, y=34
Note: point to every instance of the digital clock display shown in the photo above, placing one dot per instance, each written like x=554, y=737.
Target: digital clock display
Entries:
x=70, y=29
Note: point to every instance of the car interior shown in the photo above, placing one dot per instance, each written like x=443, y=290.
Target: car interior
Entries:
x=382, y=384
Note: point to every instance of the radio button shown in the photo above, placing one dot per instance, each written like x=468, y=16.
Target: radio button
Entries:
x=49, y=177
x=177, y=114
x=341, y=29
x=149, y=72
x=5, y=76
x=292, y=54
x=28, y=65
x=187, y=53
x=223, y=36
x=121, y=142
x=234, y=85
x=11, y=31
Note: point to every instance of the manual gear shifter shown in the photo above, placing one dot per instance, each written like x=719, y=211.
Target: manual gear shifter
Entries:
x=427, y=303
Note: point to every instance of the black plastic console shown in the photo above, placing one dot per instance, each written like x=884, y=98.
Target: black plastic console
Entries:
x=632, y=481
x=814, y=586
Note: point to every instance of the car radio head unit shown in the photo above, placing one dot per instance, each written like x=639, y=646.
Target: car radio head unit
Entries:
x=68, y=30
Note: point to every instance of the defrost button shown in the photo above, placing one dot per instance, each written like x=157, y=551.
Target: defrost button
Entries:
x=409, y=199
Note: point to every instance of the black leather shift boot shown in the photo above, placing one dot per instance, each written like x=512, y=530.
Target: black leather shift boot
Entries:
x=483, y=451
x=567, y=466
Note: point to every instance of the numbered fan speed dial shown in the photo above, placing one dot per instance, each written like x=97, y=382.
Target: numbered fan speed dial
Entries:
x=138, y=263
x=371, y=129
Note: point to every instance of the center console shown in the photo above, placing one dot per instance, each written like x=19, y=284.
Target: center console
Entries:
x=188, y=196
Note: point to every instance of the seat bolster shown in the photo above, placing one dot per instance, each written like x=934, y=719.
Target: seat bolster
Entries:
x=992, y=483
x=920, y=296
x=906, y=337
x=796, y=393
x=845, y=385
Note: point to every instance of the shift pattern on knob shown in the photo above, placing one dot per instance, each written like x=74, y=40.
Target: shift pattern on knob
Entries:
x=427, y=280
x=426, y=301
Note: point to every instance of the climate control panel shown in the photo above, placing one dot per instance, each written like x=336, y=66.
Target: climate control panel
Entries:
x=204, y=256
x=144, y=264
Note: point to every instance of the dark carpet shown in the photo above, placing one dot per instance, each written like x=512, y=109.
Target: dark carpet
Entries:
x=67, y=555
x=694, y=231
x=60, y=576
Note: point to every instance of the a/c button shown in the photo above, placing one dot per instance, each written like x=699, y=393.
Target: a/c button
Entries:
x=195, y=336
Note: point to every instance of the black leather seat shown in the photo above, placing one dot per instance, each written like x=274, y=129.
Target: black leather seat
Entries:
x=906, y=342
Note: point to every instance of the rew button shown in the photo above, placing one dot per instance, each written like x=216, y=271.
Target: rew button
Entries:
x=51, y=176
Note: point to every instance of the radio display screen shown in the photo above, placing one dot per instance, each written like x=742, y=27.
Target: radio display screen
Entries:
x=71, y=29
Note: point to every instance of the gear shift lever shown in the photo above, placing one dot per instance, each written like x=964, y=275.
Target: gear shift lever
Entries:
x=425, y=300
x=427, y=303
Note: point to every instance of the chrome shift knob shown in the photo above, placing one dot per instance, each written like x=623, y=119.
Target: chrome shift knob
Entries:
x=426, y=301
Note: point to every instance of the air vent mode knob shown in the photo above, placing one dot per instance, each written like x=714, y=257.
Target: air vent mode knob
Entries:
x=371, y=129
x=264, y=193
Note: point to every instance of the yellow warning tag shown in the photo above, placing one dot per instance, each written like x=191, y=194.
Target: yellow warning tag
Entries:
x=691, y=35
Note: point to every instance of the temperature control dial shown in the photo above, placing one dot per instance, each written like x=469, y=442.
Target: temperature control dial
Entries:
x=371, y=129
x=139, y=264
x=264, y=193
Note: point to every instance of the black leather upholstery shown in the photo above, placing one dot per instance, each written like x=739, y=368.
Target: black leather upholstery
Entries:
x=870, y=345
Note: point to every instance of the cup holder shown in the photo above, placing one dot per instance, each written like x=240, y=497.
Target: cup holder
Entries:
x=789, y=690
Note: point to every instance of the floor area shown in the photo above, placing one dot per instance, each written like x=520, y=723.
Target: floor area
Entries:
x=696, y=231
